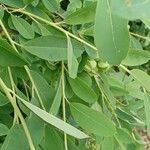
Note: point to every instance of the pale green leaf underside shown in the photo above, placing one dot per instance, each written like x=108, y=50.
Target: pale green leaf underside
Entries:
x=58, y=123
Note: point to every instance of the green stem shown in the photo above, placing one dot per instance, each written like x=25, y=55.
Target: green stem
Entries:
x=8, y=36
x=112, y=110
x=64, y=104
x=36, y=90
x=16, y=109
x=140, y=36
x=55, y=26
x=14, y=97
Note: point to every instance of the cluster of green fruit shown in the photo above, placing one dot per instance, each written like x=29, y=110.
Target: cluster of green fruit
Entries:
x=96, y=66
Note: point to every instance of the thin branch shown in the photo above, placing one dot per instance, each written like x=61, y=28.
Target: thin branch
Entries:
x=5, y=89
x=64, y=104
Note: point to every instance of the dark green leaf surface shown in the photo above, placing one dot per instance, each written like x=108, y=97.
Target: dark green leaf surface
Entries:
x=8, y=56
x=28, y=1
x=45, y=91
x=52, y=139
x=15, y=138
x=82, y=90
x=51, y=5
x=23, y=27
x=82, y=15
x=47, y=47
x=13, y=3
x=1, y=13
x=3, y=129
x=98, y=123
x=3, y=99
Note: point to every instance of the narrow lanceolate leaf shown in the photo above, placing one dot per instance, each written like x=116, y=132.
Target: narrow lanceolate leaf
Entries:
x=111, y=34
x=82, y=90
x=58, y=123
x=142, y=77
x=82, y=15
x=147, y=110
x=53, y=48
x=57, y=100
x=92, y=121
x=136, y=57
x=8, y=56
x=72, y=61
x=23, y=27
x=51, y=5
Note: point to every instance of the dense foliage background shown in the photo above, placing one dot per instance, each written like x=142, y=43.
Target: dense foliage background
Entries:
x=74, y=75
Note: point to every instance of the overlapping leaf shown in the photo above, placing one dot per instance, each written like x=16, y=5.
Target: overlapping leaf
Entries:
x=98, y=123
x=111, y=34
x=53, y=48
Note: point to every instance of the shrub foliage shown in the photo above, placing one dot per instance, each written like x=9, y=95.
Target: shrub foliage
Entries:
x=74, y=75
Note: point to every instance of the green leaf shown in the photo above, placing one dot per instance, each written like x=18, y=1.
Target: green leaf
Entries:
x=82, y=15
x=51, y=5
x=123, y=136
x=125, y=116
x=52, y=139
x=131, y=10
x=57, y=100
x=47, y=47
x=111, y=34
x=38, y=12
x=8, y=56
x=142, y=77
x=108, y=143
x=147, y=110
x=82, y=90
x=15, y=139
x=92, y=121
x=146, y=21
x=72, y=61
x=36, y=128
x=58, y=123
x=46, y=92
x=13, y=3
x=3, y=99
x=23, y=27
x=136, y=57
x=3, y=129
x=1, y=13
x=28, y=1
x=105, y=88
